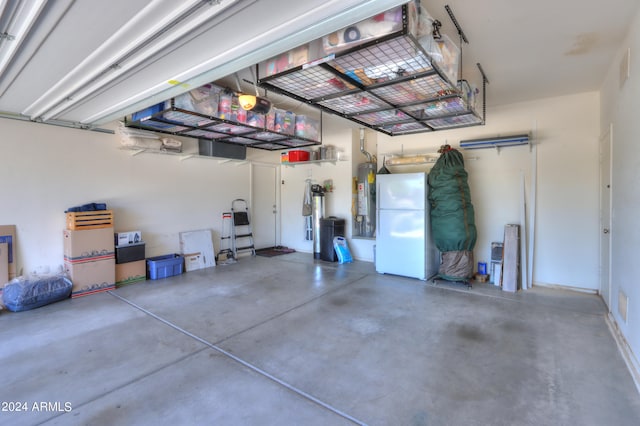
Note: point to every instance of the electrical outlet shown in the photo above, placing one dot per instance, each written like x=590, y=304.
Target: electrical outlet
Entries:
x=623, y=304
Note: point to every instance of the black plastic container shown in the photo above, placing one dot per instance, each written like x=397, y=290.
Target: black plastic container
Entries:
x=130, y=253
x=330, y=227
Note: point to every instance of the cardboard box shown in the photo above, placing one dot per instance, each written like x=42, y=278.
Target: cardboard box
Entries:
x=193, y=262
x=4, y=264
x=92, y=277
x=130, y=272
x=125, y=238
x=8, y=236
x=88, y=245
x=130, y=253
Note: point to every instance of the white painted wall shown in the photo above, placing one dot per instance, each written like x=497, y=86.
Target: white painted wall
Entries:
x=338, y=132
x=52, y=168
x=46, y=169
x=566, y=131
x=620, y=106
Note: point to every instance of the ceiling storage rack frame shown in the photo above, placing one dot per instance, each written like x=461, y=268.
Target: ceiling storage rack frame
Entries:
x=390, y=84
x=169, y=119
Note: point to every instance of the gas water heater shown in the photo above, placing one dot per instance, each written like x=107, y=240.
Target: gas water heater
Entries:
x=366, y=219
x=317, y=214
x=366, y=194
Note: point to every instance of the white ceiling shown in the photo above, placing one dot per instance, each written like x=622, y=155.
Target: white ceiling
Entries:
x=538, y=48
x=528, y=49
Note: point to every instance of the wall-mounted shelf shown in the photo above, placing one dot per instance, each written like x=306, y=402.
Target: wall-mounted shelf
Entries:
x=301, y=163
x=181, y=122
x=134, y=151
x=392, y=84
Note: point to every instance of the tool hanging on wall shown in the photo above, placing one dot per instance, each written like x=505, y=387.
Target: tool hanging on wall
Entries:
x=307, y=211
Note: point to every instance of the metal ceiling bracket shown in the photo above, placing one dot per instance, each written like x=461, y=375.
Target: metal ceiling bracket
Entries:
x=485, y=81
x=463, y=37
x=58, y=123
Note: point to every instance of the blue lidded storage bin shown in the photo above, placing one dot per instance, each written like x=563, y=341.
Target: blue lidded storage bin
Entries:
x=164, y=266
x=146, y=113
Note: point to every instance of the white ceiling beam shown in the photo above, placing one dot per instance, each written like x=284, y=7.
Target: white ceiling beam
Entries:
x=137, y=57
x=106, y=62
x=48, y=20
x=25, y=16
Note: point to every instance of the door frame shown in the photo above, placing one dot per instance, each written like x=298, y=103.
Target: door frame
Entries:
x=605, y=257
x=277, y=202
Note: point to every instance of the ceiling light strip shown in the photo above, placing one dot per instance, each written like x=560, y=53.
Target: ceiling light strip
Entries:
x=47, y=22
x=18, y=28
x=3, y=5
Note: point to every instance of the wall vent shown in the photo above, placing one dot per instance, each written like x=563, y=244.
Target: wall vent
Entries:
x=623, y=303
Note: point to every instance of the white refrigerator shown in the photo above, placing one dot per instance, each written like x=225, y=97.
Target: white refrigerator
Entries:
x=404, y=245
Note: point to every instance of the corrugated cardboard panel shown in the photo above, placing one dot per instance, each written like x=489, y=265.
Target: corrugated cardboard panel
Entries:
x=8, y=236
x=199, y=242
x=511, y=261
x=4, y=264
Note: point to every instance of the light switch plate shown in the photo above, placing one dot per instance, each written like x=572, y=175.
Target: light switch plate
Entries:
x=625, y=67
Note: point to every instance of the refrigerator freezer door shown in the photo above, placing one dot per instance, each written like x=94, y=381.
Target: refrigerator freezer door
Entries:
x=405, y=191
x=400, y=243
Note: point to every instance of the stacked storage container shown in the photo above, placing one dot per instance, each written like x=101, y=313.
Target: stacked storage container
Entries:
x=130, y=258
x=89, y=256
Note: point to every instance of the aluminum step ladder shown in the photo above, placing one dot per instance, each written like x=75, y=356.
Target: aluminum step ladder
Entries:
x=242, y=233
x=226, y=245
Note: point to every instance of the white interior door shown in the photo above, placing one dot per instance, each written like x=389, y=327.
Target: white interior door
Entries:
x=265, y=206
x=605, y=216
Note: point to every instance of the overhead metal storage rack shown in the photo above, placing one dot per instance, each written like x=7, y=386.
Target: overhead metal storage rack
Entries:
x=397, y=78
x=390, y=84
x=181, y=122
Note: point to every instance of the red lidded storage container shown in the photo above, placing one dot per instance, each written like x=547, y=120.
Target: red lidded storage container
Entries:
x=298, y=155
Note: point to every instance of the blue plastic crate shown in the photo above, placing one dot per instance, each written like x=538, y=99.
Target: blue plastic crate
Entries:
x=164, y=266
x=146, y=113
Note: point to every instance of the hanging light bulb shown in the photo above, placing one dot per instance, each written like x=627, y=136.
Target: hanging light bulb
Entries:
x=247, y=102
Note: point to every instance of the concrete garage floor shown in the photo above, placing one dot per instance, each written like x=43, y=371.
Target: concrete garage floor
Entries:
x=290, y=341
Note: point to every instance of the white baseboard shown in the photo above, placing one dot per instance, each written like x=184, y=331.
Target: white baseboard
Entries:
x=625, y=350
x=566, y=287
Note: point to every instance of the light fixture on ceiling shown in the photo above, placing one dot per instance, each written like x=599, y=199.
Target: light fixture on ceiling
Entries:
x=254, y=103
x=24, y=14
x=261, y=106
x=257, y=104
x=247, y=102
